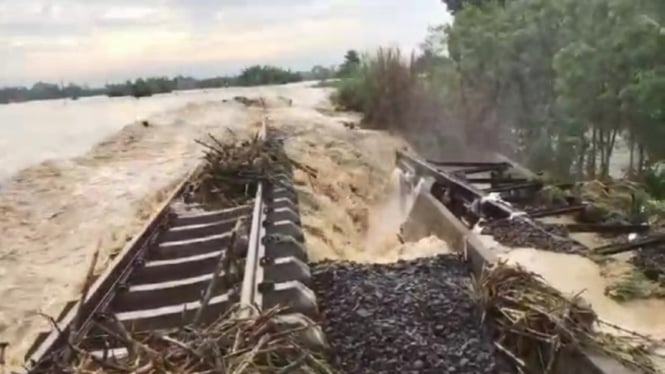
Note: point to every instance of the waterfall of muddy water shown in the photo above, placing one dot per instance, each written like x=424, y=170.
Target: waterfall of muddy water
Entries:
x=386, y=217
x=382, y=244
x=351, y=209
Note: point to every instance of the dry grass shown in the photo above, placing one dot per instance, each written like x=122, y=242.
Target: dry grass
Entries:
x=232, y=169
x=229, y=345
x=535, y=323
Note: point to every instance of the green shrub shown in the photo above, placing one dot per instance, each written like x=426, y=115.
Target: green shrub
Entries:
x=383, y=87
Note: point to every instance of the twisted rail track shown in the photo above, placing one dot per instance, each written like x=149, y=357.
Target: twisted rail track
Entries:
x=170, y=275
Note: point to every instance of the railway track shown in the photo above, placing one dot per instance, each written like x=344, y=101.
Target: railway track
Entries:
x=189, y=265
x=459, y=201
x=500, y=190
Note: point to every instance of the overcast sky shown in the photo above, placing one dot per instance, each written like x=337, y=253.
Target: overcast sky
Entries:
x=94, y=41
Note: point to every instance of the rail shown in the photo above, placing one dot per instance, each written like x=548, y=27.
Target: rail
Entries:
x=170, y=274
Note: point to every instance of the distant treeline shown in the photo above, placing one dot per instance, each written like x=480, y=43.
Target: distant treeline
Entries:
x=142, y=87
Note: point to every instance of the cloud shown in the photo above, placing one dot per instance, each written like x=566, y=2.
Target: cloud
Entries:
x=97, y=40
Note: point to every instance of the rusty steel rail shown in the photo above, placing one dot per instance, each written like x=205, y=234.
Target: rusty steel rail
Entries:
x=467, y=196
x=467, y=192
x=156, y=283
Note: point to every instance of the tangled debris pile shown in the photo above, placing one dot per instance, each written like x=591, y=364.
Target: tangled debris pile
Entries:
x=405, y=317
x=524, y=233
x=229, y=345
x=536, y=323
x=231, y=170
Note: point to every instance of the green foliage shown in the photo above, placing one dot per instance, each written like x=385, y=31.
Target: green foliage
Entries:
x=351, y=64
x=260, y=75
x=455, y=6
x=382, y=87
x=142, y=87
x=45, y=91
x=634, y=286
x=566, y=80
x=321, y=73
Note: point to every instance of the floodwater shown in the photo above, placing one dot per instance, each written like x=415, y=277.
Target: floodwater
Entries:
x=573, y=274
x=87, y=173
x=36, y=131
x=78, y=174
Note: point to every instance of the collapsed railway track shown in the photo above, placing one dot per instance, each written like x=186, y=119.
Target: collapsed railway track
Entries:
x=189, y=265
x=499, y=198
x=504, y=191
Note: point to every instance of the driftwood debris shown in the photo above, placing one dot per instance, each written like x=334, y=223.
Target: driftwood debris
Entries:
x=535, y=323
x=231, y=170
x=229, y=345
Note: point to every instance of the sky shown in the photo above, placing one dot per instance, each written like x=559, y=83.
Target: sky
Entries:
x=98, y=41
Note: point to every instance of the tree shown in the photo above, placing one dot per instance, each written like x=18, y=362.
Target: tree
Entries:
x=259, y=75
x=322, y=73
x=562, y=81
x=351, y=63
x=455, y=6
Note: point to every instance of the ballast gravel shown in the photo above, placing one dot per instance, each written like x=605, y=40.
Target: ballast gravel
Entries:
x=407, y=317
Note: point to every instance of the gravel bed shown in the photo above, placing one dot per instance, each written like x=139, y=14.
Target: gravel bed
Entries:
x=520, y=233
x=407, y=317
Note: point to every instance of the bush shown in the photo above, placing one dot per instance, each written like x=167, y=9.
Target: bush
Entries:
x=260, y=75
x=382, y=87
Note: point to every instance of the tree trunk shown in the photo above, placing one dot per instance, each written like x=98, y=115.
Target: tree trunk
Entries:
x=641, y=161
x=465, y=107
x=609, y=148
x=631, y=167
x=591, y=169
x=601, y=145
x=581, y=153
